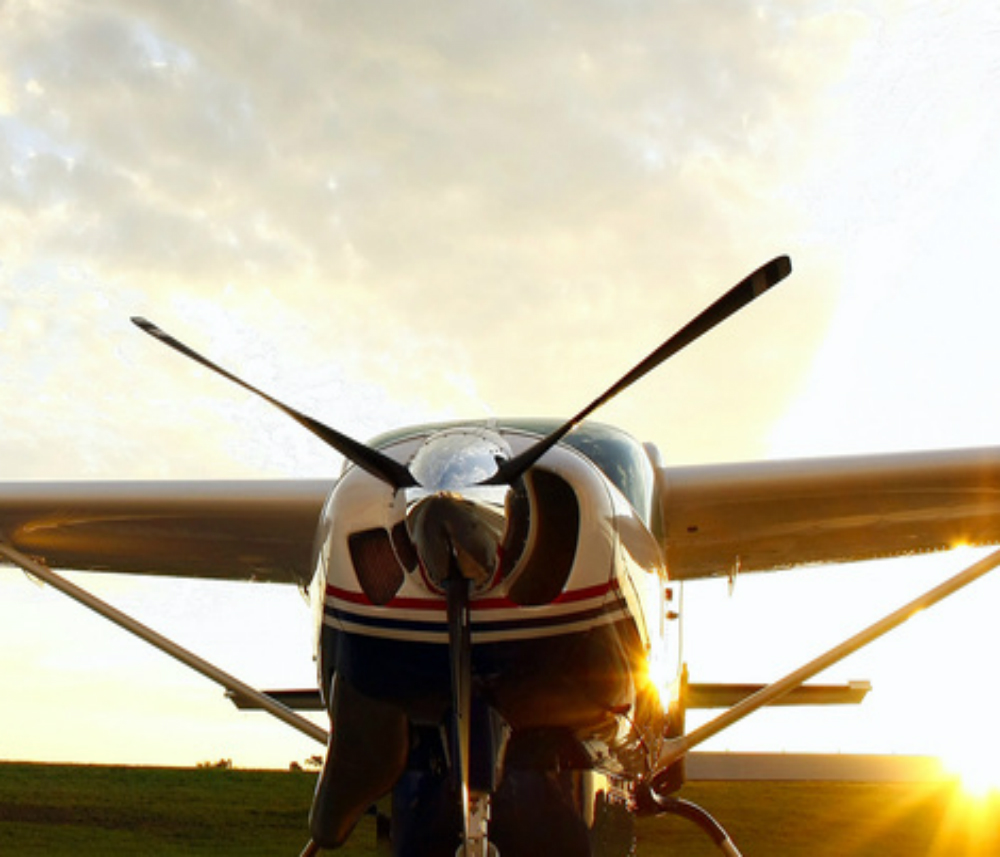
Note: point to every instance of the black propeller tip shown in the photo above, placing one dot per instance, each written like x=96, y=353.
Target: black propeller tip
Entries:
x=773, y=273
x=145, y=325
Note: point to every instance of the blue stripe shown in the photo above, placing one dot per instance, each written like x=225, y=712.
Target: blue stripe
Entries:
x=477, y=627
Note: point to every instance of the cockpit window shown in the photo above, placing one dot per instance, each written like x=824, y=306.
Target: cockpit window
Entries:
x=620, y=458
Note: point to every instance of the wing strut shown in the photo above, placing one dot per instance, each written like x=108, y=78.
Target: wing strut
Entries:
x=675, y=748
x=235, y=687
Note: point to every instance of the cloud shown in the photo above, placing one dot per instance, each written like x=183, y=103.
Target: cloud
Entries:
x=499, y=208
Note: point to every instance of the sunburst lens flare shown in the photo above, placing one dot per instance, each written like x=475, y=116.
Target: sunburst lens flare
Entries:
x=973, y=761
x=977, y=770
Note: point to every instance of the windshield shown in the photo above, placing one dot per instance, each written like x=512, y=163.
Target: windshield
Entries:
x=617, y=454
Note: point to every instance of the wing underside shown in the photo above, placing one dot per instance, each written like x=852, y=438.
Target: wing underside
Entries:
x=721, y=519
x=232, y=530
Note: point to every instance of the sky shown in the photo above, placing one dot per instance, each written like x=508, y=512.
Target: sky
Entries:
x=387, y=213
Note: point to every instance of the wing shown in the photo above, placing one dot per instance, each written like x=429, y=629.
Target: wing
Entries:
x=235, y=530
x=771, y=515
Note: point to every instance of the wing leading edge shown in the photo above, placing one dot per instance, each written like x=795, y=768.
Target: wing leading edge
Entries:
x=713, y=519
x=230, y=530
x=763, y=516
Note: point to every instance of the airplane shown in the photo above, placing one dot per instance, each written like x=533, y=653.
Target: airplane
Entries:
x=498, y=602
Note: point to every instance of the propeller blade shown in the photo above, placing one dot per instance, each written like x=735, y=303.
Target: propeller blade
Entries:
x=731, y=302
x=460, y=655
x=374, y=462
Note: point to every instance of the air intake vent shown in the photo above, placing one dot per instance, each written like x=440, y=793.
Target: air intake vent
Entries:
x=551, y=550
x=375, y=563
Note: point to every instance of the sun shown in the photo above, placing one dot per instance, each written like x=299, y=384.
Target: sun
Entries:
x=980, y=779
x=975, y=762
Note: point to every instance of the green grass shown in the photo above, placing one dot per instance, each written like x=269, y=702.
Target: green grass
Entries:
x=833, y=819
x=103, y=810
x=57, y=810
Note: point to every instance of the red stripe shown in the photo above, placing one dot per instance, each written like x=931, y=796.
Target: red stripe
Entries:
x=345, y=595
x=588, y=592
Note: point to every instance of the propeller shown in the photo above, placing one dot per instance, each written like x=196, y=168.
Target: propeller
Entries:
x=460, y=657
x=448, y=532
x=731, y=302
x=378, y=465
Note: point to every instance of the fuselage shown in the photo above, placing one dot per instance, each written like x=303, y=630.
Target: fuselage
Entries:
x=573, y=640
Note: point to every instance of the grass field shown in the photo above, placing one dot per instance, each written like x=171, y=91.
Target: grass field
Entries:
x=56, y=810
